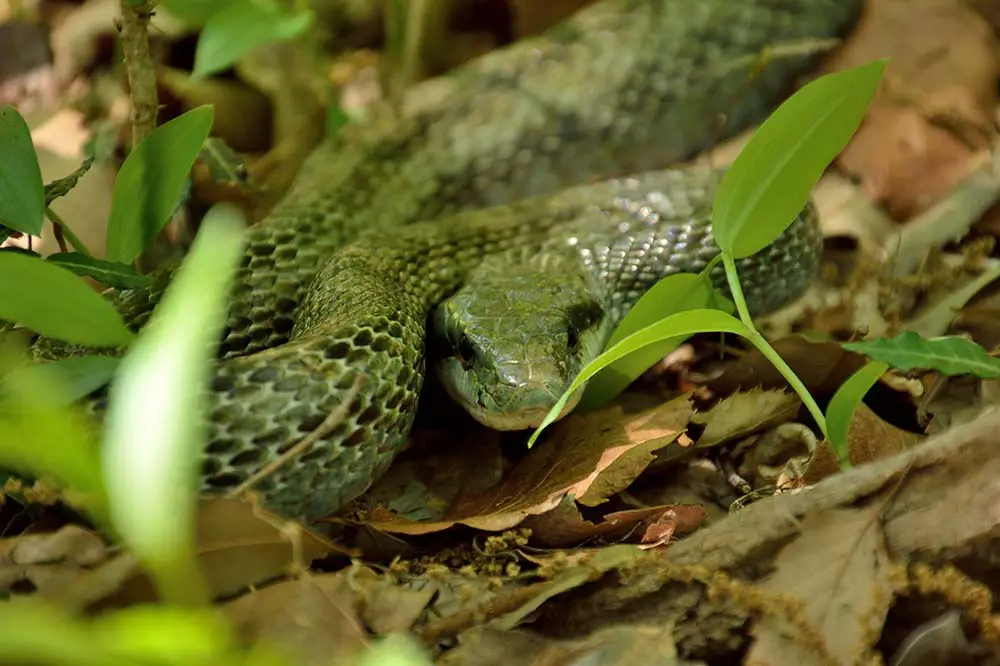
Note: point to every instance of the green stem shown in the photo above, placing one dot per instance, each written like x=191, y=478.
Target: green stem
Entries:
x=766, y=349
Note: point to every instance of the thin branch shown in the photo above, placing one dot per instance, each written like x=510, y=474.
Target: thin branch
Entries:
x=139, y=66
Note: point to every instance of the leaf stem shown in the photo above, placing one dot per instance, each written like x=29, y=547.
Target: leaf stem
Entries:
x=758, y=341
x=64, y=229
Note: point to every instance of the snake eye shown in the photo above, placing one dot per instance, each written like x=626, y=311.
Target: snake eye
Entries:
x=464, y=352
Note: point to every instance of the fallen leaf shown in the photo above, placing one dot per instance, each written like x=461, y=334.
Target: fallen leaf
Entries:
x=869, y=438
x=240, y=545
x=933, y=115
x=424, y=488
x=564, y=526
x=839, y=571
x=570, y=462
x=744, y=413
x=624, y=645
x=313, y=619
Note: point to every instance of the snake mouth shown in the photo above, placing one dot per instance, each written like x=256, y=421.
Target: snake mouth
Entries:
x=524, y=419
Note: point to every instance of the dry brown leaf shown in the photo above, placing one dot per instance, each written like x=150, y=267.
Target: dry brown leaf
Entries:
x=934, y=111
x=241, y=545
x=822, y=367
x=424, y=488
x=745, y=413
x=625, y=645
x=839, y=570
x=571, y=461
x=869, y=438
x=565, y=526
x=313, y=619
x=70, y=566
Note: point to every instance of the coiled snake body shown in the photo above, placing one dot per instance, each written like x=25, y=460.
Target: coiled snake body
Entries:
x=621, y=87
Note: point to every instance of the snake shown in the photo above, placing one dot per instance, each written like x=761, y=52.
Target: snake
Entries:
x=390, y=215
x=516, y=334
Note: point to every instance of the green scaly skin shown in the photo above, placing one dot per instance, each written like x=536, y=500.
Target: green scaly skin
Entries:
x=622, y=87
x=513, y=338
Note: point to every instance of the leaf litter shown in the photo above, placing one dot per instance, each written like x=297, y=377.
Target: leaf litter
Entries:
x=596, y=478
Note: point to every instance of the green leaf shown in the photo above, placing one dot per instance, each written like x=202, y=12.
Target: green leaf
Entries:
x=110, y=273
x=680, y=325
x=771, y=180
x=41, y=436
x=51, y=301
x=197, y=12
x=672, y=294
x=77, y=376
x=150, y=182
x=843, y=404
x=949, y=355
x=62, y=186
x=22, y=196
x=152, y=456
x=240, y=28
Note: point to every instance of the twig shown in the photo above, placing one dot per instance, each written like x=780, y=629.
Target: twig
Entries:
x=329, y=423
x=139, y=66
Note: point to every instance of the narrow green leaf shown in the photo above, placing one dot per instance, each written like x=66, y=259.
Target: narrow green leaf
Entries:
x=672, y=294
x=110, y=273
x=62, y=186
x=843, y=404
x=152, y=456
x=51, y=301
x=150, y=182
x=240, y=28
x=771, y=180
x=77, y=376
x=680, y=325
x=22, y=195
x=949, y=355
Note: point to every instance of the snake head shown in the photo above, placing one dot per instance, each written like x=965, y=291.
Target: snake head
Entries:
x=512, y=339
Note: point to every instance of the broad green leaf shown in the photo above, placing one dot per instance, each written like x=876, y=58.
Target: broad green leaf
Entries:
x=78, y=376
x=110, y=273
x=34, y=631
x=152, y=456
x=240, y=28
x=843, y=404
x=771, y=180
x=197, y=12
x=672, y=294
x=949, y=355
x=164, y=634
x=150, y=183
x=51, y=301
x=22, y=195
x=680, y=325
x=41, y=436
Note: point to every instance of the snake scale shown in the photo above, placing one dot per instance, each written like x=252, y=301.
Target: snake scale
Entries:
x=333, y=287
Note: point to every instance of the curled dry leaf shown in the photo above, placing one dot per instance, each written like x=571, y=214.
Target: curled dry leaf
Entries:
x=564, y=526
